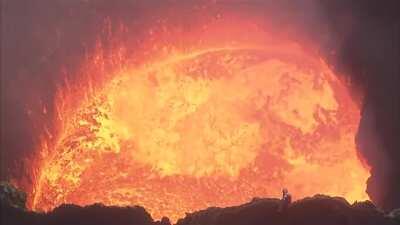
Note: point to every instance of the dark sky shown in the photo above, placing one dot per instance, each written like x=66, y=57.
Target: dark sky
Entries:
x=42, y=42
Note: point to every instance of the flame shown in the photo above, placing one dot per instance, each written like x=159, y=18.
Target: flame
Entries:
x=207, y=127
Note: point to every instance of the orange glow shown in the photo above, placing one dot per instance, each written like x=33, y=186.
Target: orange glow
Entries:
x=213, y=126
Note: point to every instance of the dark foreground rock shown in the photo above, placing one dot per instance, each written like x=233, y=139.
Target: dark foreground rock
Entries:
x=13, y=212
x=318, y=210
x=395, y=215
x=96, y=214
x=10, y=195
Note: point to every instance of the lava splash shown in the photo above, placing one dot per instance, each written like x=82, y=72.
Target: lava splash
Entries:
x=208, y=127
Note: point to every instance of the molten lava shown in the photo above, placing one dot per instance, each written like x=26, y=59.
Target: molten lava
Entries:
x=212, y=127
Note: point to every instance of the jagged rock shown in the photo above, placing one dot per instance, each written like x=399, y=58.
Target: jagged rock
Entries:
x=395, y=215
x=317, y=210
x=164, y=221
x=11, y=196
x=68, y=214
x=98, y=214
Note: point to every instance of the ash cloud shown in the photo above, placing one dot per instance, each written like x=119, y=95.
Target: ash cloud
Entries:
x=43, y=43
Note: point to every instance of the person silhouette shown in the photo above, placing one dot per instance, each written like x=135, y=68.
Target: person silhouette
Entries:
x=285, y=201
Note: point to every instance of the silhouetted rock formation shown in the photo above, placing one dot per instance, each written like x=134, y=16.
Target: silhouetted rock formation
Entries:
x=395, y=215
x=318, y=210
x=11, y=196
x=69, y=214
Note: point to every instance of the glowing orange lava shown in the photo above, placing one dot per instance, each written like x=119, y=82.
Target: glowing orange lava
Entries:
x=212, y=127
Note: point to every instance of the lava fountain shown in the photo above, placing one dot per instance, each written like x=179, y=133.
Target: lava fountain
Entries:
x=212, y=126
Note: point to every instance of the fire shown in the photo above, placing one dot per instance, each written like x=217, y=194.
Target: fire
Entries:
x=207, y=127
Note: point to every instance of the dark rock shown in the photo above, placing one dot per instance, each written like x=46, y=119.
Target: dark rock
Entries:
x=317, y=210
x=11, y=196
x=68, y=214
x=98, y=214
x=164, y=221
x=395, y=215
